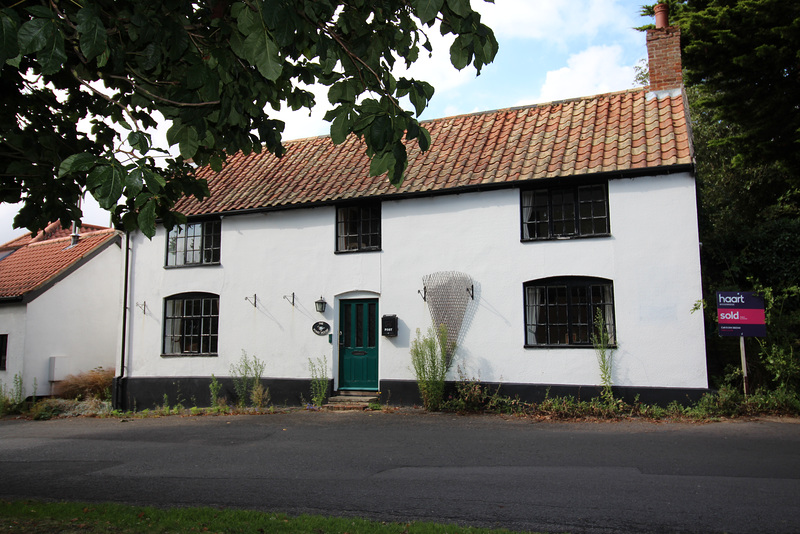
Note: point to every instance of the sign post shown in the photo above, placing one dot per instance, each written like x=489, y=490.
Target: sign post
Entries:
x=741, y=314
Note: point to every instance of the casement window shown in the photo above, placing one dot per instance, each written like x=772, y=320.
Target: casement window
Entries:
x=564, y=212
x=562, y=311
x=191, y=324
x=196, y=243
x=358, y=227
x=3, y=351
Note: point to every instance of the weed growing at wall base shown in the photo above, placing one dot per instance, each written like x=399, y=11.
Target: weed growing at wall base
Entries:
x=319, y=380
x=246, y=376
x=430, y=361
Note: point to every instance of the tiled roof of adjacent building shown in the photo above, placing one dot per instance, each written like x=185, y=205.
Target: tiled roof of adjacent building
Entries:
x=619, y=132
x=54, y=230
x=32, y=266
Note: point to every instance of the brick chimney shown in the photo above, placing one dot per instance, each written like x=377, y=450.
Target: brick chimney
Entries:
x=664, y=52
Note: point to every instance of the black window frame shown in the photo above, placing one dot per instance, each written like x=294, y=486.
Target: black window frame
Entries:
x=3, y=351
x=565, y=212
x=209, y=234
x=361, y=231
x=199, y=314
x=566, y=307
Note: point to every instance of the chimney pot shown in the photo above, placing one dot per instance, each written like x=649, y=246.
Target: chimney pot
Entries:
x=662, y=15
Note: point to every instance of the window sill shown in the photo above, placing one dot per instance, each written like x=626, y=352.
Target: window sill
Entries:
x=210, y=264
x=563, y=238
x=566, y=346
x=357, y=251
x=191, y=355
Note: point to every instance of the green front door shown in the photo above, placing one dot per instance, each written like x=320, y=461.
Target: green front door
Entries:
x=358, y=344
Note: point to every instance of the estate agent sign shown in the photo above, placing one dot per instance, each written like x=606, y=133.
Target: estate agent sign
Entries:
x=741, y=314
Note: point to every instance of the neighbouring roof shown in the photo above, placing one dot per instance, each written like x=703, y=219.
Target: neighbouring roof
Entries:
x=619, y=132
x=32, y=267
x=52, y=231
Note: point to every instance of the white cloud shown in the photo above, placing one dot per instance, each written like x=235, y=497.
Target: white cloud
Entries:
x=592, y=71
x=556, y=21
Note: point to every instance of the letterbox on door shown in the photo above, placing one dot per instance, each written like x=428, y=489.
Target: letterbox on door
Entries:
x=389, y=325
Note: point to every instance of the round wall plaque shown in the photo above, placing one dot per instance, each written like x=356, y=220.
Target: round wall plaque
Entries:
x=321, y=328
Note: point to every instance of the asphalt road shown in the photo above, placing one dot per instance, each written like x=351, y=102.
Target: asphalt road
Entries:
x=733, y=477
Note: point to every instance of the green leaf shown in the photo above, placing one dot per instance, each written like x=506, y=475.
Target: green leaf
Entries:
x=153, y=180
x=134, y=182
x=147, y=219
x=340, y=127
x=92, y=33
x=381, y=163
x=424, y=139
x=215, y=162
x=34, y=34
x=139, y=141
x=175, y=132
x=80, y=162
x=459, y=7
x=188, y=142
x=53, y=55
x=262, y=52
x=427, y=10
x=459, y=53
x=380, y=132
x=258, y=48
x=8, y=38
x=105, y=184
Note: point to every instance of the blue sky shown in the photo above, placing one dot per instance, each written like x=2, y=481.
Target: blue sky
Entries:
x=549, y=50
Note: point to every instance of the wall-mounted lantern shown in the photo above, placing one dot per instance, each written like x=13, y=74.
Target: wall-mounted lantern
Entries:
x=320, y=305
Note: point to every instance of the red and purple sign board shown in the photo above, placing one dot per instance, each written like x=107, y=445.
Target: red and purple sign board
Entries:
x=741, y=314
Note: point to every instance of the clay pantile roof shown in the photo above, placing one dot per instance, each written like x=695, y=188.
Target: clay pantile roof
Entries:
x=32, y=267
x=626, y=132
x=52, y=231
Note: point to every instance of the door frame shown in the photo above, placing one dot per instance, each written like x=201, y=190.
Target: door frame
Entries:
x=338, y=303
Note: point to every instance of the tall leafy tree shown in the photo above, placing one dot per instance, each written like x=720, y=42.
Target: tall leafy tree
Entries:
x=745, y=54
x=213, y=69
x=742, y=68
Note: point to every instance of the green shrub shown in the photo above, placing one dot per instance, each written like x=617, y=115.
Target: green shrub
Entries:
x=429, y=358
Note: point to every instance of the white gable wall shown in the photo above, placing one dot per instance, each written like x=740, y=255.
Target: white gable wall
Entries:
x=77, y=320
x=652, y=257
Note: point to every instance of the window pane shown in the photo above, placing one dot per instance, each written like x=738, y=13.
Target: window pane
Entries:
x=194, y=243
x=190, y=323
x=3, y=351
x=358, y=228
x=565, y=212
x=593, y=210
x=561, y=311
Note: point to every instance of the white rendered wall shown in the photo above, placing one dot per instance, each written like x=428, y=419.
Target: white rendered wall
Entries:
x=652, y=257
x=78, y=320
x=12, y=322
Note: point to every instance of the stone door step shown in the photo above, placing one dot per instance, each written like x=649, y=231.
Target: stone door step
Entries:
x=351, y=401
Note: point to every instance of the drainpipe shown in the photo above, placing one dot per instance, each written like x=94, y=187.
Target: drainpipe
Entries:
x=119, y=383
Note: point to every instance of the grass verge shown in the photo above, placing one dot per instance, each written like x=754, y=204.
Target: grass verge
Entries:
x=37, y=517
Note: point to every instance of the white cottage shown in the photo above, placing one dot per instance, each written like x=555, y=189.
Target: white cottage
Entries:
x=514, y=229
x=60, y=305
